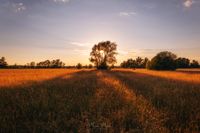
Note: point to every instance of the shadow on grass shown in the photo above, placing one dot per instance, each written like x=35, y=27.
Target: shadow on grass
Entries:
x=54, y=105
x=189, y=71
x=179, y=99
x=111, y=105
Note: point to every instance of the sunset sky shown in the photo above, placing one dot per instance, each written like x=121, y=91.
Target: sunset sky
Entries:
x=36, y=30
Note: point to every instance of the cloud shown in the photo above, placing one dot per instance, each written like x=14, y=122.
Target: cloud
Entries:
x=80, y=44
x=61, y=1
x=188, y=3
x=122, y=52
x=18, y=7
x=127, y=14
x=85, y=52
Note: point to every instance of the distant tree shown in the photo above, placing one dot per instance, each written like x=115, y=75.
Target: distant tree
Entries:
x=90, y=66
x=32, y=64
x=79, y=66
x=103, y=54
x=123, y=64
x=3, y=62
x=144, y=63
x=138, y=62
x=182, y=63
x=130, y=63
x=51, y=64
x=86, y=66
x=44, y=64
x=57, y=63
x=163, y=61
x=148, y=65
x=194, y=64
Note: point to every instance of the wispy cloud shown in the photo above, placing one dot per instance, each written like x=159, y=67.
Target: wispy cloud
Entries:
x=127, y=14
x=84, y=52
x=61, y=1
x=81, y=44
x=188, y=3
x=122, y=52
x=18, y=7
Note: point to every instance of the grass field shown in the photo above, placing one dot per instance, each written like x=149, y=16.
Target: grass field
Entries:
x=121, y=100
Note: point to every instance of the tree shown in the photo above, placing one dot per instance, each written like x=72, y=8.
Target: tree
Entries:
x=79, y=66
x=139, y=62
x=44, y=64
x=90, y=66
x=130, y=63
x=145, y=61
x=3, y=62
x=194, y=64
x=51, y=64
x=163, y=61
x=32, y=64
x=182, y=63
x=103, y=54
x=57, y=63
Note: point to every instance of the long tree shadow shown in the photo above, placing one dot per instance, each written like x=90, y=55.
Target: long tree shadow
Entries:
x=54, y=105
x=111, y=111
x=189, y=72
x=179, y=99
x=138, y=104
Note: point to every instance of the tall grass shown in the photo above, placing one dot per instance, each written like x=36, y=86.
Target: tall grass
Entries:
x=121, y=100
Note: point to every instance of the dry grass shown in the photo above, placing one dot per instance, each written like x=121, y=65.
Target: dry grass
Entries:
x=186, y=75
x=121, y=100
x=13, y=77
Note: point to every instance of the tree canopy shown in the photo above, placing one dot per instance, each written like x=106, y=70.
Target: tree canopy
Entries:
x=163, y=61
x=137, y=63
x=182, y=63
x=194, y=64
x=103, y=54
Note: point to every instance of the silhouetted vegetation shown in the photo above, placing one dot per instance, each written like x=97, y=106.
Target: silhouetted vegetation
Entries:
x=182, y=63
x=137, y=63
x=79, y=66
x=163, y=61
x=103, y=54
x=90, y=66
x=51, y=64
x=103, y=57
x=3, y=62
x=194, y=64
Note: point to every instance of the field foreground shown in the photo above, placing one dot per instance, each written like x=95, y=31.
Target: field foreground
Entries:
x=121, y=100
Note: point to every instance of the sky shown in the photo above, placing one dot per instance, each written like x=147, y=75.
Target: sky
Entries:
x=36, y=30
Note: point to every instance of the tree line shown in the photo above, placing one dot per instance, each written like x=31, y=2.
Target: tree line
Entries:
x=162, y=61
x=103, y=56
x=57, y=63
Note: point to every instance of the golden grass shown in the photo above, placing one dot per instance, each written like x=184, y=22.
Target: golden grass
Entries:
x=121, y=100
x=13, y=77
x=187, y=75
x=147, y=115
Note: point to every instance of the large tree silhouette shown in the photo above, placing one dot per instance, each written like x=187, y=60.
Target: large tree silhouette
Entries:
x=103, y=54
x=163, y=61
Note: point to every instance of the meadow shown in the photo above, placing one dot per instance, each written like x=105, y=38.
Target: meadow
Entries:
x=95, y=101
